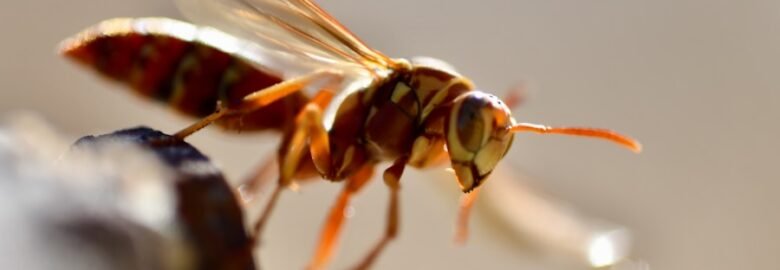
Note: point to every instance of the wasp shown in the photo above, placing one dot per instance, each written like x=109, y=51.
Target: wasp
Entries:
x=341, y=106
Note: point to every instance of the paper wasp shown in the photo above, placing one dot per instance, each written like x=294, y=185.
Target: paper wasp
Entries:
x=341, y=106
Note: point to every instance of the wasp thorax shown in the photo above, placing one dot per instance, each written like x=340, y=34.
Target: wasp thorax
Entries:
x=478, y=136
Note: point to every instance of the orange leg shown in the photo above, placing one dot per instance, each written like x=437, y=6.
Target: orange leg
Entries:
x=259, y=179
x=516, y=96
x=332, y=230
x=391, y=176
x=464, y=212
x=308, y=126
x=264, y=97
x=267, y=210
x=428, y=151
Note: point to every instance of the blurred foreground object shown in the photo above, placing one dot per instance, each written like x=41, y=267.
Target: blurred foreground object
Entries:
x=118, y=201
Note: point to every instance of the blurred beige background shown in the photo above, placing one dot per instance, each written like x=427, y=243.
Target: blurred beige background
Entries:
x=696, y=81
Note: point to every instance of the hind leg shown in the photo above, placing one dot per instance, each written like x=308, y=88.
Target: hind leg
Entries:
x=392, y=176
x=264, y=97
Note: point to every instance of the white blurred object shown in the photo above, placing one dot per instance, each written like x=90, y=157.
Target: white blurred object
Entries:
x=89, y=211
x=551, y=225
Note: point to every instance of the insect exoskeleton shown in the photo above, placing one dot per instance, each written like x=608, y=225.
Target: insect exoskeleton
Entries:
x=478, y=136
x=341, y=106
x=428, y=105
x=187, y=67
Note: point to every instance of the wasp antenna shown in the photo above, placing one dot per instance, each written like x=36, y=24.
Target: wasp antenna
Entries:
x=605, y=134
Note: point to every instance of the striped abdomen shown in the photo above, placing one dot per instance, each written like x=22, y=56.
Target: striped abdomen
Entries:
x=169, y=61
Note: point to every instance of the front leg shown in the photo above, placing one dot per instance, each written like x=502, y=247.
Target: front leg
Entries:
x=309, y=133
x=464, y=212
x=392, y=178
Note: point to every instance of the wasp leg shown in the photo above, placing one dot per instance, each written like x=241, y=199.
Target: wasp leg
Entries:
x=332, y=229
x=391, y=176
x=205, y=121
x=257, y=181
x=260, y=178
x=462, y=224
x=516, y=96
x=427, y=151
x=264, y=97
x=308, y=126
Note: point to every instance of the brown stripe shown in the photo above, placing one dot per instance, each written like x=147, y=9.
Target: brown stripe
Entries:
x=197, y=79
x=156, y=66
x=190, y=77
x=115, y=56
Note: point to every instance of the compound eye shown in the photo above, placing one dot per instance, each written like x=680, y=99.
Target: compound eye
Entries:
x=473, y=121
x=471, y=125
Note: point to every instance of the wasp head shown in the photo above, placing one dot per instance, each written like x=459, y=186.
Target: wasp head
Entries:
x=478, y=135
x=480, y=129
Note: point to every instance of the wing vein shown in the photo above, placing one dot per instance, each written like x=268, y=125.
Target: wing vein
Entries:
x=301, y=33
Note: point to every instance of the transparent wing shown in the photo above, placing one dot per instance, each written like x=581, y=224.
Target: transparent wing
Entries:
x=550, y=224
x=298, y=27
